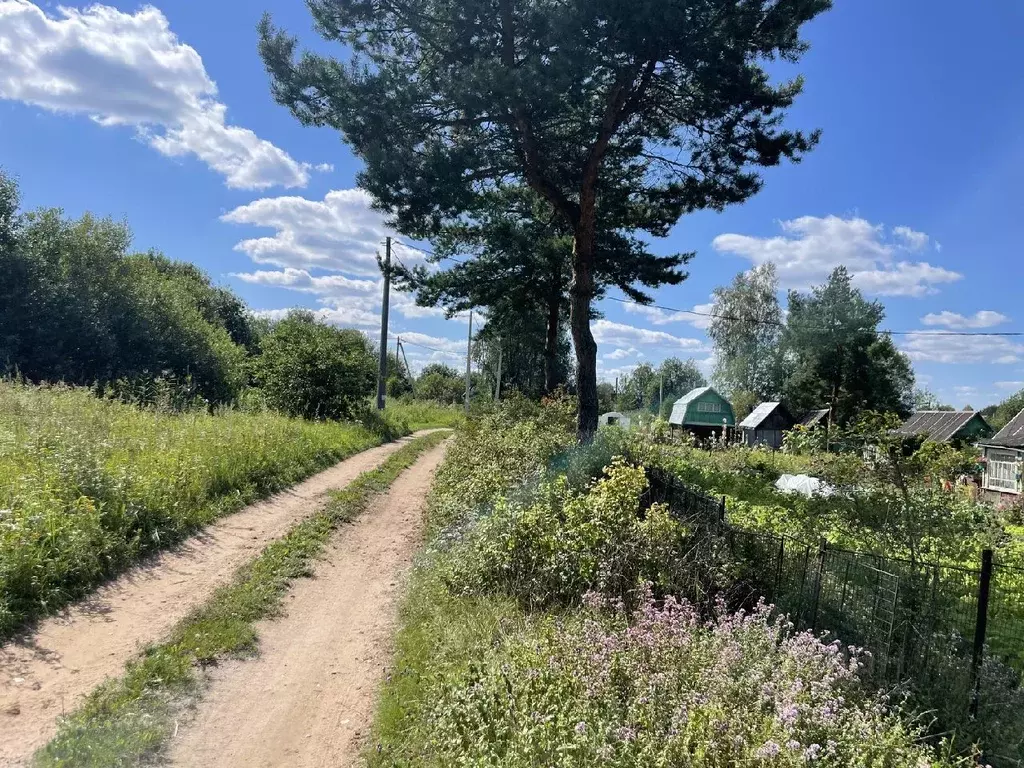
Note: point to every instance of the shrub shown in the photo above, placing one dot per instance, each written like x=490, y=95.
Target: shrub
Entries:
x=557, y=544
x=313, y=370
x=497, y=451
x=662, y=687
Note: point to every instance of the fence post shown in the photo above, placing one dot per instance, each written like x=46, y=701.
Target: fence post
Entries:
x=822, y=548
x=778, y=569
x=980, y=625
x=721, y=513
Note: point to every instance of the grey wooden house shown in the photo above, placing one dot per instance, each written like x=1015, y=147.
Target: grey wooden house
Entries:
x=1004, y=460
x=766, y=425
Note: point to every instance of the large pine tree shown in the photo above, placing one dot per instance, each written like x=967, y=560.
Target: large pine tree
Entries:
x=664, y=104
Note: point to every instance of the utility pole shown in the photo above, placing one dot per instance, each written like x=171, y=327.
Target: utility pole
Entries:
x=469, y=349
x=382, y=371
x=497, y=386
x=661, y=393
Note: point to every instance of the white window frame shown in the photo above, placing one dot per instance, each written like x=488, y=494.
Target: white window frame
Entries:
x=709, y=407
x=1001, y=472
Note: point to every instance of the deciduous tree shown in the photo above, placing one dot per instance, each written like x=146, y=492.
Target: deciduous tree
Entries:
x=747, y=330
x=835, y=354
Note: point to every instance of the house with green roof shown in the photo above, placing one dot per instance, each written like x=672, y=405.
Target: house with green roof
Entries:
x=703, y=412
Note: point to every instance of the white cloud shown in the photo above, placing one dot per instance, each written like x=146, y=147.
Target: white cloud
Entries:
x=933, y=347
x=1010, y=385
x=125, y=69
x=982, y=319
x=346, y=316
x=341, y=232
x=811, y=247
x=910, y=239
x=620, y=335
x=622, y=353
x=663, y=317
x=301, y=280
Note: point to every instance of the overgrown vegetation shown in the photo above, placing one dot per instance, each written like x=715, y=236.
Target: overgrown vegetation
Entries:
x=129, y=718
x=87, y=486
x=545, y=627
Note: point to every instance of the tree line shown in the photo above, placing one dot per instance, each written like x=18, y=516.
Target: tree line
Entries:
x=79, y=306
x=826, y=350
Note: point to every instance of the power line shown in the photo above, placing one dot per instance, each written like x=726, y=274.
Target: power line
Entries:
x=781, y=324
x=428, y=252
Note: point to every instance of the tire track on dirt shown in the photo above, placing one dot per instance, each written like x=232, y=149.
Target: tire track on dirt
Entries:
x=49, y=670
x=308, y=699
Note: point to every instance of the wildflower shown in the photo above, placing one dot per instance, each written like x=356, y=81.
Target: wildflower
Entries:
x=581, y=728
x=769, y=750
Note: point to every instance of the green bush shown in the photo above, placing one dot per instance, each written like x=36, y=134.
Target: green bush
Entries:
x=313, y=370
x=557, y=545
x=77, y=306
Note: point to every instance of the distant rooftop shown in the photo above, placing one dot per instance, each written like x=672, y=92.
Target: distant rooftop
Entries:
x=1012, y=435
x=813, y=418
x=940, y=426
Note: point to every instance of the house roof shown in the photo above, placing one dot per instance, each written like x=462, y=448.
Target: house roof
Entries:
x=692, y=395
x=939, y=426
x=812, y=418
x=1012, y=435
x=758, y=415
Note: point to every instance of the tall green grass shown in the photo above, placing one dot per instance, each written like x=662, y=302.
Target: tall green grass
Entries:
x=422, y=414
x=87, y=486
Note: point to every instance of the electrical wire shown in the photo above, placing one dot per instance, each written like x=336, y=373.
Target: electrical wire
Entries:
x=781, y=324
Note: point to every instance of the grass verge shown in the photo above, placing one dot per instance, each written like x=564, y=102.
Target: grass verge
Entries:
x=441, y=636
x=89, y=486
x=129, y=718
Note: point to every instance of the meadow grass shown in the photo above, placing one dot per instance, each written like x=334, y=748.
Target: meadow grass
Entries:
x=130, y=718
x=422, y=414
x=88, y=486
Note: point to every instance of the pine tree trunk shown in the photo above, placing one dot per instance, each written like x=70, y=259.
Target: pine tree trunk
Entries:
x=551, y=381
x=581, y=293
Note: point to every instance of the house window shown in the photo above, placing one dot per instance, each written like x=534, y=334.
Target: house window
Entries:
x=613, y=420
x=709, y=407
x=1002, y=472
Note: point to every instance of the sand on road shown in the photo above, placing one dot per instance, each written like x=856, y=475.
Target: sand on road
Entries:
x=308, y=698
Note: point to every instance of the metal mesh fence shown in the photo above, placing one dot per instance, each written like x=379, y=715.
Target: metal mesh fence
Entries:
x=911, y=617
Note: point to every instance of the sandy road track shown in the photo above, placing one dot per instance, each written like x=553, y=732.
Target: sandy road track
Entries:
x=49, y=670
x=308, y=699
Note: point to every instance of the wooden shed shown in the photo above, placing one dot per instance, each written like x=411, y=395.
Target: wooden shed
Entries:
x=703, y=412
x=947, y=426
x=1004, y=460
x=766, y=425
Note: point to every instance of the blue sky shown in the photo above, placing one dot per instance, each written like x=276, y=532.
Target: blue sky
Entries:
x=161, y=115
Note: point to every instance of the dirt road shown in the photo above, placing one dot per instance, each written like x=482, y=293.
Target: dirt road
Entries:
x=50, y=670
x=308, y=699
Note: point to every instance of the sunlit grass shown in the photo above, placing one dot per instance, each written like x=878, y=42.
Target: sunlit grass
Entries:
x=87, y=486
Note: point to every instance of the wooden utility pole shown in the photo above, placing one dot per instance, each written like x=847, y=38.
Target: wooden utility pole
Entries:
x=469, y=349
x=382, y=370
x=497, y=386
